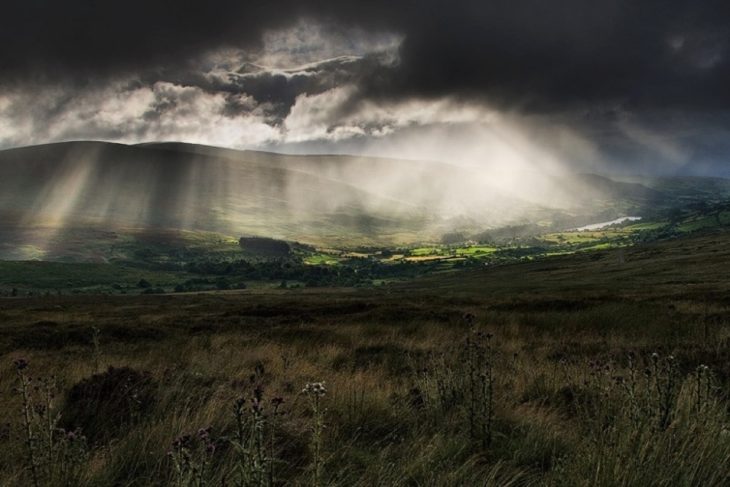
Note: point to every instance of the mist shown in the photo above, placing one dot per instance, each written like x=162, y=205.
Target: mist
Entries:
x=496, y=176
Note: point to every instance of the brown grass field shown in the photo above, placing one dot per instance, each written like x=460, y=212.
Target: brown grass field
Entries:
x=594, y=369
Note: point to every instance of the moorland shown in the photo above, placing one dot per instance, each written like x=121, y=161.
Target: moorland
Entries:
x=607, y=367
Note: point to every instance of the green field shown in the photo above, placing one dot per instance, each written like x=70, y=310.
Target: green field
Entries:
x=114, y=262
x=321, y=259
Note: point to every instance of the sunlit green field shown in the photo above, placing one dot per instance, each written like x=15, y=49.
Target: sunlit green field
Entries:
x=321, y=259
x=88, y=260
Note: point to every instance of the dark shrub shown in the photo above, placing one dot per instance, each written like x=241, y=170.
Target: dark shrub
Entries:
x=153, y=290
x=50, y=335
x=101, y=405
x=265, y=246
x=144, y=283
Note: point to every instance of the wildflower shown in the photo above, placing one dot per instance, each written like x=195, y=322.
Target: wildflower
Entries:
x=256, y=405
x=258, y=392
x=315, y=389
x=180, y=442
x=20, y=364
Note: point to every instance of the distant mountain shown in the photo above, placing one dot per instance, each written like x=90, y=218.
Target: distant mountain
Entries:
x=612, y=191
x=149, y=186
x=187, y=186
x=685, y=188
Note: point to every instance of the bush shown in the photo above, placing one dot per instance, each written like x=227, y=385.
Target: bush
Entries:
x=153, y=290
x=101, y=405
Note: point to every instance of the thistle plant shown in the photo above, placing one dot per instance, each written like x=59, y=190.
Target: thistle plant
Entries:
x=652, y=397
x=315, y=391
x=95, y=334
x=631, y=385
x=479, y=360
x=255, y=440
x=191, y=457
x=54, y=456
x=666, y=382
x=703, y=386
x=249, y=440
x=441, y=382
x=31, y=441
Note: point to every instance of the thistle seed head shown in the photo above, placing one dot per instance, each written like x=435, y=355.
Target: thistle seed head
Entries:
x=315, y=389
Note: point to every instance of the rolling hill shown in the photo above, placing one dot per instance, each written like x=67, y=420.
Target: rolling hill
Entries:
x=57, y=197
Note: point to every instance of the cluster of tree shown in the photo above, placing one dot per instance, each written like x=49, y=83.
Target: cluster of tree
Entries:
x=352, y=272
x=453, y=238
x=508, y=234
x=265, y=246
x=148, y=288
x=201, y=284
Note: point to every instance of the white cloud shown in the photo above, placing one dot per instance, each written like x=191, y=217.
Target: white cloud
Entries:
x=163, y=111
x=328, y=116
x=309, y=42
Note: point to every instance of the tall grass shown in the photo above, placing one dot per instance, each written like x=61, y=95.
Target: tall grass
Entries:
x=483, y=397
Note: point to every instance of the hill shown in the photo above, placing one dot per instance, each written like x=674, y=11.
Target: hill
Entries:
x=58, y=198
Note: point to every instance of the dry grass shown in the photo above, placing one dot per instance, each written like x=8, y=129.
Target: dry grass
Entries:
x=397, y=408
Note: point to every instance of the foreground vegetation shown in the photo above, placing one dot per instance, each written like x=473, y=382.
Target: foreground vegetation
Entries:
x=601, y=368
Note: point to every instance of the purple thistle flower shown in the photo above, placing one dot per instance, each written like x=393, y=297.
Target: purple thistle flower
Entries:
x=20, y=364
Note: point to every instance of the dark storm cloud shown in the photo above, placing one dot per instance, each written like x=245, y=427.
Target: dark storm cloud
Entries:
x=635, y=83
x=524, y=54
x=277, y=89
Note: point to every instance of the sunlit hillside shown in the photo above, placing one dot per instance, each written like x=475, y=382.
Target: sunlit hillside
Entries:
x=55, y=196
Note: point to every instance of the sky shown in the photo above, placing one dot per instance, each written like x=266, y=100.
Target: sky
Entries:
x=612, y=86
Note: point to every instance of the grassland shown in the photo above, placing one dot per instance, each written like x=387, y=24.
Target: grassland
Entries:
x=582, y=369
